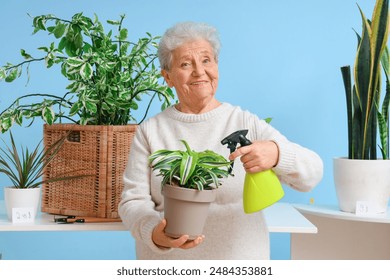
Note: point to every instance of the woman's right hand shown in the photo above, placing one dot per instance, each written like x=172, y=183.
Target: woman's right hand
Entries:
x=162, y=240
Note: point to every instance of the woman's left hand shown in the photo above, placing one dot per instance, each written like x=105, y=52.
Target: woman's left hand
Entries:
x=259, y=156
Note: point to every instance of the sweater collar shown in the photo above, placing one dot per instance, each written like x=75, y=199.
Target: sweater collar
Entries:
x=193, y=118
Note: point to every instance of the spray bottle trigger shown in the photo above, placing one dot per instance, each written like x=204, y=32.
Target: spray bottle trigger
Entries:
x=244, y=141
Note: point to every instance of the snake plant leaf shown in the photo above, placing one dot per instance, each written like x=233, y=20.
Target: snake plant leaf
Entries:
x=362, y=101
x=380, y=29
x=362, y=75
x=383, y=118
x=346, y=74
x=383, y=135
x=356, y=130
x=385, y=62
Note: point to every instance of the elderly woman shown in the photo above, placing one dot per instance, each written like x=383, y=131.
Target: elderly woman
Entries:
x=188, y=54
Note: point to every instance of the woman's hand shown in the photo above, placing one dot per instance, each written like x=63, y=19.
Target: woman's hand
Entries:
x=259, y=156
x=162, y=240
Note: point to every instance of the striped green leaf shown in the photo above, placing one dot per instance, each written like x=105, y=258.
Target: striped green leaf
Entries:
x=187, y=166
x=190, y=169
x=383, y=135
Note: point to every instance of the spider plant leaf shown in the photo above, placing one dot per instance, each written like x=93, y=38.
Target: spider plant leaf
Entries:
x=213, y=177
x=174, y=172
x=187, y=146
x=211, y=164
x=157, y=154
x=167, y=161
x=199, y=185
x=221, y=173
x=187, y=166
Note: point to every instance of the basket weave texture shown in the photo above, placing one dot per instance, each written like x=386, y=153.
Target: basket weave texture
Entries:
x=97, y=150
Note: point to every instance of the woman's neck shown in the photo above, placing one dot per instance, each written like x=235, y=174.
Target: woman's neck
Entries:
x=197, y=108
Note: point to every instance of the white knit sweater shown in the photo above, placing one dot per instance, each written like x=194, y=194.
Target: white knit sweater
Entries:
x=229, y=232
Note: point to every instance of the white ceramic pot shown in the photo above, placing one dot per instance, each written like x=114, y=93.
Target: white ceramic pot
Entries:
x=21, y=198
x=367, y=181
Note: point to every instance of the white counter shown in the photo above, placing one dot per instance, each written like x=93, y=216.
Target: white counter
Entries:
x=280, y=217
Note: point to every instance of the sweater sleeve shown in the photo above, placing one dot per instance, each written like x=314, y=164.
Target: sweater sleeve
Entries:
x=137, y=209
x=298, y=167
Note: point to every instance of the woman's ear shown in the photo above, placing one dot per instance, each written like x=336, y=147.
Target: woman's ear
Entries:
x=167, y=78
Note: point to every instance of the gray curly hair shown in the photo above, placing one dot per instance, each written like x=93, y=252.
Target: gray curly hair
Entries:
x=184, y=32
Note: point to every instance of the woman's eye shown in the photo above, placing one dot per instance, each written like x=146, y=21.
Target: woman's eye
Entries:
x=206, y=60
x=185, y=64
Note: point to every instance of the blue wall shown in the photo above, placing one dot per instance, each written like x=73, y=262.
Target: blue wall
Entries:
x=279, y=59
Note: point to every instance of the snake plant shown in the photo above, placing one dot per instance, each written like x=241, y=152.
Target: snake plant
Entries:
x=190, y=169
x=366, y=117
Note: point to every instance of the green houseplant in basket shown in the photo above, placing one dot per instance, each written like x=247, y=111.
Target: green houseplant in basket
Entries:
x=362, y=177
x=109, y=76
x=189, y=183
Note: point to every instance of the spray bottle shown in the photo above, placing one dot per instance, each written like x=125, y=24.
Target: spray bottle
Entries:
x=261, y=189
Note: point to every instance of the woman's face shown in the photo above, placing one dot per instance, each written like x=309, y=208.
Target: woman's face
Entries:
x=193, y=73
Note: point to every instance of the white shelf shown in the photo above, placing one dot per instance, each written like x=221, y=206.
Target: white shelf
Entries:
x=280, y=217
x=45, y=222
x=283, y=217
x=332, y=211
x=342, y=235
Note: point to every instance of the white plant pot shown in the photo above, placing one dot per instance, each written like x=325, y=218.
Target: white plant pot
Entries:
x=366, y=181
x=21, y=198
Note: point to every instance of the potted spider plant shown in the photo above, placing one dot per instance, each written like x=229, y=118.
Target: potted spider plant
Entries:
x=363, y=177
x=189, y=184
x=25, y=169
x=109, y=77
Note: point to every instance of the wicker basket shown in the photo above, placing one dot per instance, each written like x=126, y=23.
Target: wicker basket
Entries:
x=98, y=150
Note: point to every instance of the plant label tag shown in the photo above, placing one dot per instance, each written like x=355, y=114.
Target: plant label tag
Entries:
x=23, y=215
x=364, y=208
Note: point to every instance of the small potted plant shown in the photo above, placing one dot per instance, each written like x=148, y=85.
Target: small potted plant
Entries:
x=25, y=170
x=189, y=183
x=364, y=177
